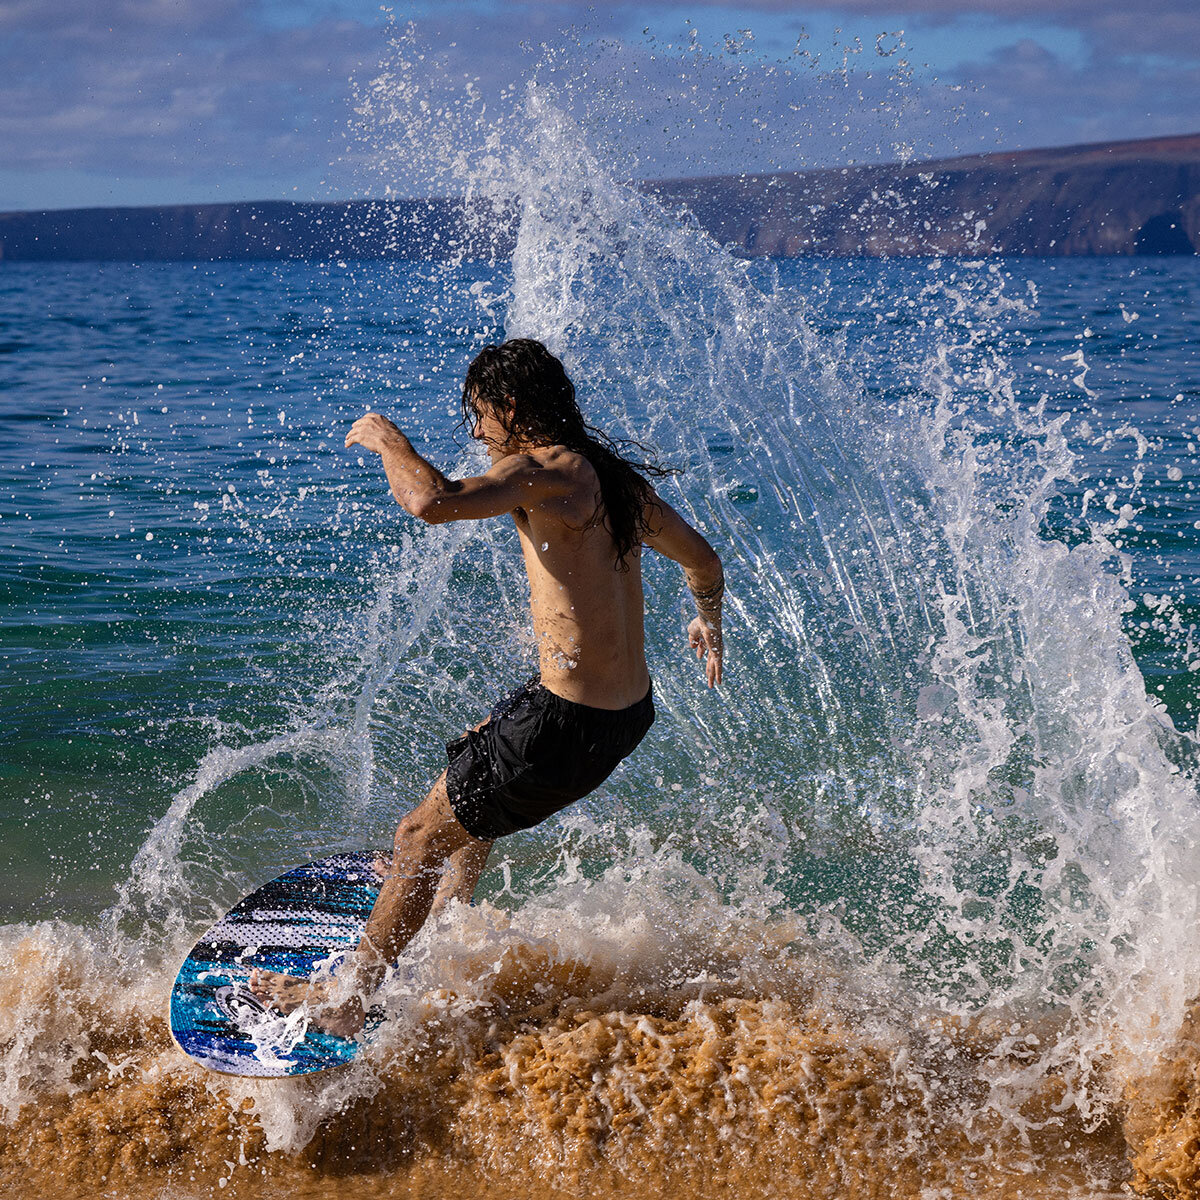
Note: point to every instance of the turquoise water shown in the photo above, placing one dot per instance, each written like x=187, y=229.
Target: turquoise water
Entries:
x=190, y=559
x=176, y=510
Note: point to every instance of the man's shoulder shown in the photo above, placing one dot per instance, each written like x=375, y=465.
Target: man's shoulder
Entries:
x=569, y=463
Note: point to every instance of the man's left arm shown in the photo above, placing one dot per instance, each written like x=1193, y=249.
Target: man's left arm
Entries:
x=421, y=489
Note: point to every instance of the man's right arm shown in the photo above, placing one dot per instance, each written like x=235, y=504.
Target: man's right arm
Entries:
x=670, y=534
x=421, y=489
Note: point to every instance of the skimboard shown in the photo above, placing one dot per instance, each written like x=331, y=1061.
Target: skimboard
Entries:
x=300, y=924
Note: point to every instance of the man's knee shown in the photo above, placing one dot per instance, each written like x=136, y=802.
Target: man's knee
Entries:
x=416, y=832
x=431, y=827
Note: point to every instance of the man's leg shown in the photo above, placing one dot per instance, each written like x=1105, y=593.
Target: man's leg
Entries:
x=459, y=879
x=463, y=868
x=429, y=843
x=426, y=839
x=461, y=875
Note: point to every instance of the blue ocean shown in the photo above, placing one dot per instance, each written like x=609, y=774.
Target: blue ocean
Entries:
x=907, y=908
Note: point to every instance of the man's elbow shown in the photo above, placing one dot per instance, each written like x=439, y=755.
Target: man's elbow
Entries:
x=425, y=506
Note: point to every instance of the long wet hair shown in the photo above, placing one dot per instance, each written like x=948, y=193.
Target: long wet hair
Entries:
x=528, y=389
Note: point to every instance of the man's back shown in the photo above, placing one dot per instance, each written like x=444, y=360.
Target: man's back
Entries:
x=587, y=610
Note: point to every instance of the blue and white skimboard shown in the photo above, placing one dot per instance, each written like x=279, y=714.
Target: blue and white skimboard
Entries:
x=300, y=924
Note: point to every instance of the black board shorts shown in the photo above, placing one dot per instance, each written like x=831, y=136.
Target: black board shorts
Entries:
x=537, y=754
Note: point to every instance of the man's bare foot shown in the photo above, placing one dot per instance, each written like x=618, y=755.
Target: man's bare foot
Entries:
x=324, y=1008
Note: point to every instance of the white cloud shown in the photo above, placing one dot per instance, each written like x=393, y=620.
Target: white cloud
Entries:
x=213, y=99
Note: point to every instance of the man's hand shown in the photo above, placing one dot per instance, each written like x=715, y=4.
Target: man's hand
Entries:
x=705, y=639
x=375, y=433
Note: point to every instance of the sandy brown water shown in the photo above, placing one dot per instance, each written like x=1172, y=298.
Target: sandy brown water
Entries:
x=544, y=1085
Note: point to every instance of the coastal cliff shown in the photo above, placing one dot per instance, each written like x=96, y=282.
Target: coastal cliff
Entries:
x=1138, y=197
x=250, y=230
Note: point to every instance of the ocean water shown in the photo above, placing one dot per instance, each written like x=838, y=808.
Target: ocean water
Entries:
x=908, y=908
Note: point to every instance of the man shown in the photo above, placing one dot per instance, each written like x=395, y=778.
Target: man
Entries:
x=583, y=514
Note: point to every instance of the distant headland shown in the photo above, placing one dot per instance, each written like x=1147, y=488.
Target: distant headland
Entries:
x=1134, y=197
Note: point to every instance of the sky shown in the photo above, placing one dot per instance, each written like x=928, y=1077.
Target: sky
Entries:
x=107, y=102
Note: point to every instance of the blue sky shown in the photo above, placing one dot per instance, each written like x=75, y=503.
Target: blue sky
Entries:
x=179, y=101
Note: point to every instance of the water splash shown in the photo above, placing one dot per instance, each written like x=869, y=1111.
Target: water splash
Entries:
x=928, y=689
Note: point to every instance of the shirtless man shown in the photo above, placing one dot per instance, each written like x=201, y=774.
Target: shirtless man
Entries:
x=583, y=515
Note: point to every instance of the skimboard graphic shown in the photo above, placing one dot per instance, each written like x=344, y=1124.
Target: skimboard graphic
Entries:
x=300, y=923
